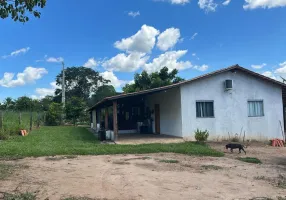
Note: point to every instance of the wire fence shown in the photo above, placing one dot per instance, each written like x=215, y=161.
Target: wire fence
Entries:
x=12, y=122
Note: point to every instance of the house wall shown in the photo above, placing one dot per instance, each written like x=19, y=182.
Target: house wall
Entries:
x=170, y=111
x=230, y=107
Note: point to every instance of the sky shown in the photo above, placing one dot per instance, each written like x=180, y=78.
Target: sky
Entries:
x=121, y=37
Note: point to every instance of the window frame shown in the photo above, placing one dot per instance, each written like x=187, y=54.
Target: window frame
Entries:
x=205, y=101
x=255, y=100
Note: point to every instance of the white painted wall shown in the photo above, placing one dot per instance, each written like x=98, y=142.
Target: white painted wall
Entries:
x=230, y=107
x=170, y=111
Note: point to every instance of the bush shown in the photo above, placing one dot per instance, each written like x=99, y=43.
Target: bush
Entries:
x=201, y=136
x=54, y=114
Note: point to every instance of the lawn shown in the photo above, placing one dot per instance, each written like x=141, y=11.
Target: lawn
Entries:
x=50, y=141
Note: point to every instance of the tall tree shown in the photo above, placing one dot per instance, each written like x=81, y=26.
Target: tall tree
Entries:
x=146, y=81
x=80, y=82
x=101, y=93
x=17, y=9
x=8, y=104
x=45, y=102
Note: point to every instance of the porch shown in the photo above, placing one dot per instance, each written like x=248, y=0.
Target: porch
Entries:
x=140, y=117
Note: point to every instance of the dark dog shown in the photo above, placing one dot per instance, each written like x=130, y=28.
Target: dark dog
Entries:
x=232, y=146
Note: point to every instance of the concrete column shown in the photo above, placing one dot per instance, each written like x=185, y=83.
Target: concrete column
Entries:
x=115, y=123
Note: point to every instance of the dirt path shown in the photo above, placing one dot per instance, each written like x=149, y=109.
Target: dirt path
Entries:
x=145, y=177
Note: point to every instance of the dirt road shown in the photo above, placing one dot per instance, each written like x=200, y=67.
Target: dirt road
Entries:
x=150, y=177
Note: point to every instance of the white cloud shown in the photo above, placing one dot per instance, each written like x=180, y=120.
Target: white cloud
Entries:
x=126, y=63
x=193, y=37
x=226, y=2
x=282, y=69
x=29, y=75
x=258, y=66
x=42, y=92
x=134, y=14
x=168, y=39
x=54, y=60
x=177, y=2
x=109, y=75
x=143, y=41
x=170, y=60
x=207, y=5
x=201, y=68
x=90, y=63
x=269, y=74
x=194, y=54
x=253, y=4
x=17, y=52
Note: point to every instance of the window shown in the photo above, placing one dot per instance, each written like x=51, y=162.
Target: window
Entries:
x=205, y=108
x=255, y=108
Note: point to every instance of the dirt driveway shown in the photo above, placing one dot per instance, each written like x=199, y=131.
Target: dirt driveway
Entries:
x=152, y=176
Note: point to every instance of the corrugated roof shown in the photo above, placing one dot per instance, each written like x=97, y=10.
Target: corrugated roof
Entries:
x=234, y=67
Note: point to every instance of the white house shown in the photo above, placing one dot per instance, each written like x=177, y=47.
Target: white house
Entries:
x=226, y=102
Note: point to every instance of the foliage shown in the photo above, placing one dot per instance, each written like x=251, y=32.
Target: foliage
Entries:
x=146, y=81
x=201, y=136
x=54, y=114
x=250, y=160
x=69, y=140
x=17, y=9
x=80, y=82
x=45, y=102
x=75, y=108
x=101, y=93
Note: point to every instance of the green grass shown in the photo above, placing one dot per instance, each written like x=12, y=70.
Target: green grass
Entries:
x=211, y=167
x=20, y=196
x=6, y=170
x=250, y=160
x=169, y=161
x=58, y=140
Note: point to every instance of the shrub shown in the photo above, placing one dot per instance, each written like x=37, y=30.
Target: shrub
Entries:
x=201, y=136
x=54, y=114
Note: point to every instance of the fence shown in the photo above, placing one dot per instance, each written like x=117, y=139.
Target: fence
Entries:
x=11, y=122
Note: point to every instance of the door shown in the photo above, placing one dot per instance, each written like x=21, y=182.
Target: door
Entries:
x=157, y=118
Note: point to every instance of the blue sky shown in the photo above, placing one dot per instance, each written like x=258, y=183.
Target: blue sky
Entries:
x=121, y=37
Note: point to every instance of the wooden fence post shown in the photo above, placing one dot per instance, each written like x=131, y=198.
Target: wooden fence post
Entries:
x=38, y=120
x=20, y=118
x=31, y=121
x=1, y=120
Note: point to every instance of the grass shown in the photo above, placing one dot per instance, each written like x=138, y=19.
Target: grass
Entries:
x=211, y=167
x=20, y=196
x=6, y=170
x=60, y=140
x=12, y=126
x=169, y=161
x=250, y=160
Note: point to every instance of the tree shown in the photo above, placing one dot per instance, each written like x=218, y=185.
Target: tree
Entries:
x=101, y=93
x=75, y=108
x=23, y=104
x=16, y=9
x=80, y=82
x=8, y=104
x=45, y=102
x=146, y=81
x=54, y=114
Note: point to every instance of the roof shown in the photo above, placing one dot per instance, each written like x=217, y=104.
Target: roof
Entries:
x=234, y=67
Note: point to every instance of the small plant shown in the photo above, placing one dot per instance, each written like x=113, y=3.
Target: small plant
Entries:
x=281, y=182
x=250, y=160
x=20, y=196
x=211, y=167
x=169, y=161
x=201, y=136
x=234, y=139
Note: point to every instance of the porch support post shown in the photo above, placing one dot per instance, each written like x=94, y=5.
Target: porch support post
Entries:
x=115, y=124
x=106, y=118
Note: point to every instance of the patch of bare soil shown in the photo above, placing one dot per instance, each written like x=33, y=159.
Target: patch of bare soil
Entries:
x=147, y=177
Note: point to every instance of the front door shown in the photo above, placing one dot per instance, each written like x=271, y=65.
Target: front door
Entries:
x=157, y=118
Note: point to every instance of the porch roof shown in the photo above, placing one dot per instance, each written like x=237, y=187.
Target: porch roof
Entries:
x=159, y=89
